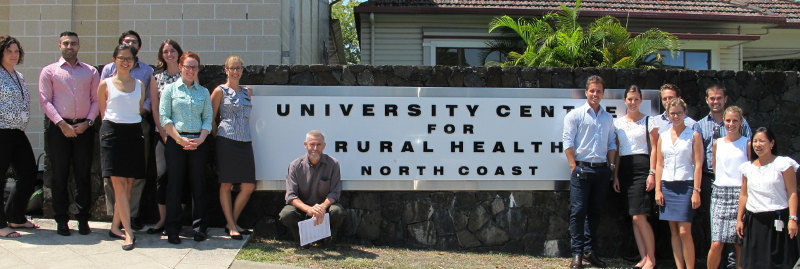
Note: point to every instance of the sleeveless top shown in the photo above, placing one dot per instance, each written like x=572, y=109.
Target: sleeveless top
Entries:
x=765, y=188
x=729, y=156
x=234, y=114
x=162, y=79
x=678, y=157
x=632, y=136
x=122, y=107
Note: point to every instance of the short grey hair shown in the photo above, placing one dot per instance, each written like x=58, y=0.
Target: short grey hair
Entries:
x=315, y=134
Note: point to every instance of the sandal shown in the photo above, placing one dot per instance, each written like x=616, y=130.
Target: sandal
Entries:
x=27, y=225
x=12, y=234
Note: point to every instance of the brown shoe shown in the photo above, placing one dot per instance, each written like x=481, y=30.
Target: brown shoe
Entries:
x=577, y=262
x=594, y=260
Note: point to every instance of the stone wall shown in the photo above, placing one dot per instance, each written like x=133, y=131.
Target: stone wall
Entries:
x=534, y=222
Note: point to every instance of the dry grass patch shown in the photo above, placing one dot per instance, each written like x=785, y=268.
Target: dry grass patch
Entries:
x=357, y=256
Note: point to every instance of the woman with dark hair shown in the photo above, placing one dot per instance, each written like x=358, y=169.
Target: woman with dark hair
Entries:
x=15, y=148
x=234, y=147
x=121, y=142
x=767, y=217
x=631, y=178
x=186, y=115
x=728, y=153
x=679, y=156
x=167, y=72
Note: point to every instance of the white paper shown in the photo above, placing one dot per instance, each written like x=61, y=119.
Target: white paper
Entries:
x=310, y=233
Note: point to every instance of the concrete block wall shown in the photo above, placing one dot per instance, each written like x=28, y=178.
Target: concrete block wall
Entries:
x=257, y=30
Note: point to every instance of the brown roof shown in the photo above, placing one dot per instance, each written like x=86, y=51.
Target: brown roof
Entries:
x=773, y=11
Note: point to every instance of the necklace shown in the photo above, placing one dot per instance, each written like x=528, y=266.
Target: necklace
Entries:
x=18, y=82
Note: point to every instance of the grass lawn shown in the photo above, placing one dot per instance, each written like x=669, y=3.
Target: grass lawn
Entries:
x=358, y=256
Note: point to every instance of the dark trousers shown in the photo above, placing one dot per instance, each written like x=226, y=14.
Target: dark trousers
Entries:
x=290, y=216
x=587, y=197
x=185, y=166
x=701, y=225
x=75, y=152
x=16, y=151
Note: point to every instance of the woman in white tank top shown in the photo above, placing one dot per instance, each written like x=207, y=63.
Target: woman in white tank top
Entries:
x=729, y=153
x=121, y=141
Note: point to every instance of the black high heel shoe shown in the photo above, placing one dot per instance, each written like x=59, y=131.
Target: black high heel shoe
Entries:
x=130, y=246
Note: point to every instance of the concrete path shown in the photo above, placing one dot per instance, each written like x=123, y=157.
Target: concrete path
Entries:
x=43, y=248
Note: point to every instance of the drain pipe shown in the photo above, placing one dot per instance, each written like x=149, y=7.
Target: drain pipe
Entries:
x=372, y=38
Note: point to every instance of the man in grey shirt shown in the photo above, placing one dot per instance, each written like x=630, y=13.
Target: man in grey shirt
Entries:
x=313, y=185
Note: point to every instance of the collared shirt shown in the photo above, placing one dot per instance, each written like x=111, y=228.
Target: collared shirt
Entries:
x=313, y=183
x=662, y=123
x=14, y=101
x=591, y=135
x=188, y=108
x=706, y=128
x=140, y=71
x=766, y=190
x=69, y=91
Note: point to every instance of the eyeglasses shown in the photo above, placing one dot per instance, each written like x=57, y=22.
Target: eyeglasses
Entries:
x=236, y=69
x=125, y=59
x=191, y=67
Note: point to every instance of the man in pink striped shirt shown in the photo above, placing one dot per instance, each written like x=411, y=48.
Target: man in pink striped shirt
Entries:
x=68, y=96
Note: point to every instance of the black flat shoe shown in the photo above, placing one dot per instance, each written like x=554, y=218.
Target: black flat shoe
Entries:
x=130, y=246
x=200, y=236
x=62, y=229
x=83, y=227
x=155, y=230
x=173, y=239
x=115, y=236
x=235, y=237
x=246, y=232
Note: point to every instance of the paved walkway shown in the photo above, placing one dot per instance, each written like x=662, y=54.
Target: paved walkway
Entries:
x=43, y=248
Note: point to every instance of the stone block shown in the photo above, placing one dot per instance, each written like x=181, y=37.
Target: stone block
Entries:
x=520, y=199
x=467, y=240
x=439, y=77
x=497, y=205
x=460, y=219
x=215, y=27
x=197, y=11
x=271, y=27
x=247, y=27
x=369, y=227
x=443, y=222
x=348, y=78
x=423, y=233
x=230, y=43
x=477, y=218
x=494, y=76
x=491, y=235
x=276, y=74
x=167, y=12
x=456, y=77
x=365, y=78
x=253, y=75
x=417, y=210
x=230, y=11
x=263, y=11
x=447, y=242
x=110, y=12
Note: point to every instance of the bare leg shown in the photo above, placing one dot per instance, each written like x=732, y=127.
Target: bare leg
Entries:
x=122, y=210
x=637, y=235
x=647, y=240
x=245, y=190
x=225, y=202
x=685, y=229
x=162, y=215
x=714, y=254
x=677, y=247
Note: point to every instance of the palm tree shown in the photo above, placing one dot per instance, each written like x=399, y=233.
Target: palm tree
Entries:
x=557, y=39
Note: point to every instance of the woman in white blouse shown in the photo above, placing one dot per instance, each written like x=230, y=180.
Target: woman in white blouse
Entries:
x=767, y=217
x=679, y=154
x=631, y=178
x=729, y=153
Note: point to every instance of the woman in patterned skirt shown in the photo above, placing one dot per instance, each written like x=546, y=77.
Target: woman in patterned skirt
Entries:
x=730, y=152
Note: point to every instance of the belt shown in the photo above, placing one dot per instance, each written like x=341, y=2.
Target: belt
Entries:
x=188, y=133
x=70, y=121
x=592, y=165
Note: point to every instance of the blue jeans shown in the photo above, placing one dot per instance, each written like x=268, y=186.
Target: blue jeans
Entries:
x=587, y=197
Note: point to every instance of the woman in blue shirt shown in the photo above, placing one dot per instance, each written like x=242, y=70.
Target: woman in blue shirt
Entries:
x=186, y=115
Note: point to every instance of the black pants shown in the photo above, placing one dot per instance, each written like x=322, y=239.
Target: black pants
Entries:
x=185, y=166
x=15, y=150
x=75, y=152
x=290, y=216
x=701, y=226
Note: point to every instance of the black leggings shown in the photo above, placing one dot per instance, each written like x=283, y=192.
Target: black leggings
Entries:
x=15, y=150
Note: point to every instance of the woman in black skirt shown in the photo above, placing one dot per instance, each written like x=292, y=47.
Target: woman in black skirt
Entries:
x=121, y=141
x=234, y=148
x=767, y=218
x=632, y=178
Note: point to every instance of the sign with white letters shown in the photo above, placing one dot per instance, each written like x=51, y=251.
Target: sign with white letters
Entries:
x=412, y=138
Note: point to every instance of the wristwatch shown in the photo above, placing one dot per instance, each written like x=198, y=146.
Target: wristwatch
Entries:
x=613, y=166
x=653, y=172
x=91, y=123
x=794, y=218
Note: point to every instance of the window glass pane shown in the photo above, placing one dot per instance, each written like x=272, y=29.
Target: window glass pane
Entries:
x=697, y=60
x=677, y=61
x=447, y=56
